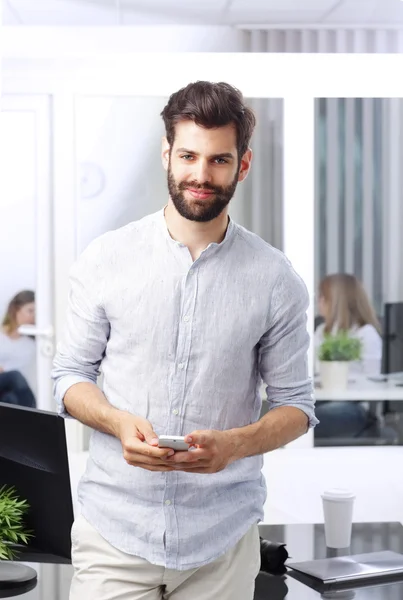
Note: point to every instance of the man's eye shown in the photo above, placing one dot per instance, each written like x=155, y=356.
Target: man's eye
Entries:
x=221, y=161
x=187, y=156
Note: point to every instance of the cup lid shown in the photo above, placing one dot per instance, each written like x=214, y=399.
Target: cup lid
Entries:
x=338, y=494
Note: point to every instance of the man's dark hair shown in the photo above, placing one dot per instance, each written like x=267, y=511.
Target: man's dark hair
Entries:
x=210, y=105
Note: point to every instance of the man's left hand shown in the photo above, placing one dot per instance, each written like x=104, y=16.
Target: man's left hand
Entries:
x=211, y=452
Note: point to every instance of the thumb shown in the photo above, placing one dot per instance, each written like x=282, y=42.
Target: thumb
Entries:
x=146, y=429
x=197, y=438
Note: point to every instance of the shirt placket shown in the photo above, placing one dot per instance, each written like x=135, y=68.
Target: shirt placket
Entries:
x=176, y=402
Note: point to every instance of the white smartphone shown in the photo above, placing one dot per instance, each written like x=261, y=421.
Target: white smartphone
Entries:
x=176, y=442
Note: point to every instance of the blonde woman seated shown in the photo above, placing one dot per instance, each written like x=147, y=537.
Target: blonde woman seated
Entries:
x=344, y=305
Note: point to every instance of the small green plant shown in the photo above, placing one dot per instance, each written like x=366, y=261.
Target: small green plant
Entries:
x=340, y=346
x=12, y=531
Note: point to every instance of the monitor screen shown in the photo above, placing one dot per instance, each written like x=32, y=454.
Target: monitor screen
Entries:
x=33, y=459
x=392, y=353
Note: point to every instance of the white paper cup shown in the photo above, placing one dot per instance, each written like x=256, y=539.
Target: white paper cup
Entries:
x=338, y=514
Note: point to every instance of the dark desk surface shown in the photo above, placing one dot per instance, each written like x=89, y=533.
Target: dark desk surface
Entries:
x=304, y=542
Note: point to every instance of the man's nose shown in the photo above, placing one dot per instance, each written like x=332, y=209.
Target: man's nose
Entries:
x=202, y=172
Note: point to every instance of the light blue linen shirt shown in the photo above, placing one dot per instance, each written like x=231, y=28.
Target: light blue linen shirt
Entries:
x=183, y=344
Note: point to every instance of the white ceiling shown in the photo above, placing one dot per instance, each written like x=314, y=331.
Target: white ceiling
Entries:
x=203, y=12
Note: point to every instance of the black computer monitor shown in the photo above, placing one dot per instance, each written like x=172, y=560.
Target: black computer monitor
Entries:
x=392, y=352
x=33, y=459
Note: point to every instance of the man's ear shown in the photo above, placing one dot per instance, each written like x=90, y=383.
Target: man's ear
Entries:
x=246, y=161
x=165, y=150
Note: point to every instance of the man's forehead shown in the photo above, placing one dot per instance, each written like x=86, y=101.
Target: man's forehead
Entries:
x=187, y=132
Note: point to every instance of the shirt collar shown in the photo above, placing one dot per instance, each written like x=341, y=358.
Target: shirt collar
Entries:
x=163, y=226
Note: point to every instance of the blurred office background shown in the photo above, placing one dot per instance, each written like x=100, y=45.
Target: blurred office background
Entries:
x=359, y=214
x=96, y=155
x=76, y=164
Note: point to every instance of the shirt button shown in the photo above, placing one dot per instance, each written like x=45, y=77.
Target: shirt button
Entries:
x=191, y=272
x=186, y=319
x=175, y=411
x=181, y=365
x=168, y=502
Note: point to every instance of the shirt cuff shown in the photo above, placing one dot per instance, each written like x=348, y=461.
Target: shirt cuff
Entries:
x=308, y=410
x=310, y=413
x=60, y=389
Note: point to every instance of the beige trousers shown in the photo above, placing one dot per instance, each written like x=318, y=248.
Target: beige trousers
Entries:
x=101, y=572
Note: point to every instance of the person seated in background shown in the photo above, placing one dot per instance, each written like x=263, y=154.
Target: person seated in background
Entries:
x=344, y=305
x=17, y=352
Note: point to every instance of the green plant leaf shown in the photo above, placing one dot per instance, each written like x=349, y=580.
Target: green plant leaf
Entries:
x=341, y=346
x=12, y=530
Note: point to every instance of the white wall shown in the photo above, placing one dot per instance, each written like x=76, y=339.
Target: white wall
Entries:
x=121, y=177
x=54, y=42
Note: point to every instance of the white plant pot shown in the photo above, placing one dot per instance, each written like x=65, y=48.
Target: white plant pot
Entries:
x=334, y=374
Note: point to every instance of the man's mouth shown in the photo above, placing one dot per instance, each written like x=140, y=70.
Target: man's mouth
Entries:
x=200, y=194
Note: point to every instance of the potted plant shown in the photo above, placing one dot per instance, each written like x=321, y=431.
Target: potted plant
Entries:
x=12, y=529
x=335, y=354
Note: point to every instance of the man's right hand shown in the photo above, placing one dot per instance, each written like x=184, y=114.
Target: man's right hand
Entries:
x=87, y=403
x=140, y=444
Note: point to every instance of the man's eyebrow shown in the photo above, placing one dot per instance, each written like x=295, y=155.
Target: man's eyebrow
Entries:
x=220, y=155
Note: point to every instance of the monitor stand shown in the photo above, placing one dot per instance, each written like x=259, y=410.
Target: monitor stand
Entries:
x=16, y=579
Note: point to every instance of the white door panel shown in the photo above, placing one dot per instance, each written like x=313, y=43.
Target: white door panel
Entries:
x=26, y=220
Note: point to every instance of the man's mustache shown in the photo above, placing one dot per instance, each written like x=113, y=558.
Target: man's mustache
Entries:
x=194, y=185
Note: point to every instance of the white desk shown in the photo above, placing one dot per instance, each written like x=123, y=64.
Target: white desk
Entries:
x=372, y=473
x=296, y=478
x=364, y=390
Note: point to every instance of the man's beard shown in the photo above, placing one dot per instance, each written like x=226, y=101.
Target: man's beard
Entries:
x=202, y=210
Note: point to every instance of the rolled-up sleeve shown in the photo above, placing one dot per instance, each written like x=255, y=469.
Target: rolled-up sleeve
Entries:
x=80, y=352
x=283, y=350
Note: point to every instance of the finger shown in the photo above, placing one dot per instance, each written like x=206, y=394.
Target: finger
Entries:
x=199, y=438
x=190, y=456
x=146, y=430
x=195, y=470
x=139, y=459
x=152, y=467
x=146, y=452
x=149, y=434
x=149, y=450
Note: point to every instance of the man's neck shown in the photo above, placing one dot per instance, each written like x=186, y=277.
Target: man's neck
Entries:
x=193, y=234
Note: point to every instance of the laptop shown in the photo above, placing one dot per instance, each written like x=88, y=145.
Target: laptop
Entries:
x=354, y=569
